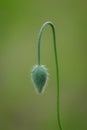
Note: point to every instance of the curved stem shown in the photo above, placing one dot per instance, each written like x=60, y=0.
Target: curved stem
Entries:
x=56, y=61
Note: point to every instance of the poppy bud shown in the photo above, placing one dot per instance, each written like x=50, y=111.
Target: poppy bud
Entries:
x=39, y=77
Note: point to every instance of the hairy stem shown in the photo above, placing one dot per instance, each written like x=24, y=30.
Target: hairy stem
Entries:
x=56, y=61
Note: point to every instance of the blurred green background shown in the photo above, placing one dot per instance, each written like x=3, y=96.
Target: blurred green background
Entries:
x=20, y=21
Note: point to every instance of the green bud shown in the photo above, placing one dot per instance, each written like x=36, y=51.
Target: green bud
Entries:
x=39, y=77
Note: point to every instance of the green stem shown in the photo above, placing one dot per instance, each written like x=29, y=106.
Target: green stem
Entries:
x=56, y=61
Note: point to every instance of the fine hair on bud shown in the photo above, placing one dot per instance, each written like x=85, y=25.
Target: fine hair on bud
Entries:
x=39, y=77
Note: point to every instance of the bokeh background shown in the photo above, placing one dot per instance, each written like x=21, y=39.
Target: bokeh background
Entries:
x=20, y=21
